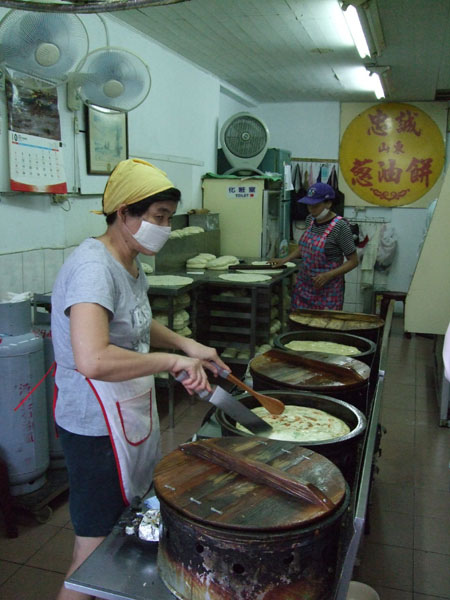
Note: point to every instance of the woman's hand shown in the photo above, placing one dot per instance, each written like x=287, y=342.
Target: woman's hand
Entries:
x=322, y=279
x=204, y=357
x=276, y=262
x=196, y=379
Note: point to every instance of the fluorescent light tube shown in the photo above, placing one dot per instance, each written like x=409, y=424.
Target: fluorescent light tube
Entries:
x=377, y=86
x=356, y=31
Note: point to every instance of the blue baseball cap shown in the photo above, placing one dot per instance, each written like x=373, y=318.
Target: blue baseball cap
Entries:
x=318, y=192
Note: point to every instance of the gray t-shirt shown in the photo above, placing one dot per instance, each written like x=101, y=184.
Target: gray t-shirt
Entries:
x=92, y=274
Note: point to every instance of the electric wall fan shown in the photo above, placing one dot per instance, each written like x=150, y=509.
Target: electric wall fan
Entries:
x=42, y=47
x=110, y=77
x=244, y=139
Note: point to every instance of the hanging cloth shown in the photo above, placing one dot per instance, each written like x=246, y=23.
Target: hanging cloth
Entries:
x=319, y=176
x=299, y=211
x=338, y=204
x=310, y=176
x=297, y=178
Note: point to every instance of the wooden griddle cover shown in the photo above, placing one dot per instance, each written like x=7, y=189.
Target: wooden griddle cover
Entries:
x=279, y=366
x=335, y=320
x=215, y=496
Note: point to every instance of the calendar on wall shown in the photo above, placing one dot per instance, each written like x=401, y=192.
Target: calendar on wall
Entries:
x=34, y=140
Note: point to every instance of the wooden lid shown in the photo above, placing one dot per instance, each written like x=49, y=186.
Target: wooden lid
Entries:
x=336, y=320
x=314, y=371
x=214, y=495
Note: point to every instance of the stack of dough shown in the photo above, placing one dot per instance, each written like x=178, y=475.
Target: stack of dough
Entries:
x=222, y=263
x=275, y=326
x=180, y=321
x=161, y=303
x=148, y=269
x=185, y=332
x=234, y=293
x=229, y=352
x=192, y=230
x=200, y=261
x=263, y=348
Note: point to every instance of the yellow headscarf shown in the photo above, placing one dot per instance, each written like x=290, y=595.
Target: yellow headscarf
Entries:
x=132, y=180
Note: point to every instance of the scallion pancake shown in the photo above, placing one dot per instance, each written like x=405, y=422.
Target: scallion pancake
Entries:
x=301, y=424
x=322, y=346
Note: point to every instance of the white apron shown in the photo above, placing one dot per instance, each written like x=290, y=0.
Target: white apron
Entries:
x=131, y=415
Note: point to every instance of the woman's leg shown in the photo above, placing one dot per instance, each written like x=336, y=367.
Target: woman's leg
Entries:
x=82, y=548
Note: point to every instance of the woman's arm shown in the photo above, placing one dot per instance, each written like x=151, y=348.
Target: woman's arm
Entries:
x=348, y=265
x=163, y=337
x=96, y=358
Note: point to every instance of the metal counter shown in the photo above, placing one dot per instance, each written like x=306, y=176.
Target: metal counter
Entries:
x=123, y=568
x=120, y=568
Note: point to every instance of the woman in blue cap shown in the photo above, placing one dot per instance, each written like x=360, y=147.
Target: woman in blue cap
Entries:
x=324, y=245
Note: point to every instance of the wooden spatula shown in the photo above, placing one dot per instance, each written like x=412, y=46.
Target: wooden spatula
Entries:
x=273, y=405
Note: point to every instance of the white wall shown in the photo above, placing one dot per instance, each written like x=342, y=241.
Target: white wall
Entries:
x=175, y=128
x=307, y=129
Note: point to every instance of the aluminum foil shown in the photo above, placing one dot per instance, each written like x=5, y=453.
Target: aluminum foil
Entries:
x=148, y=529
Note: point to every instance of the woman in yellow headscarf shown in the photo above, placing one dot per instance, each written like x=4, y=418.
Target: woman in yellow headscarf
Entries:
x=102, y=330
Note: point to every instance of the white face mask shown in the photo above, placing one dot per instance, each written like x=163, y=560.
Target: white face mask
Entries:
x=322, y=214
x=152, y=237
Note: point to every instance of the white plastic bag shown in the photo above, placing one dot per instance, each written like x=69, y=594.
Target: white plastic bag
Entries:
x=387, y=248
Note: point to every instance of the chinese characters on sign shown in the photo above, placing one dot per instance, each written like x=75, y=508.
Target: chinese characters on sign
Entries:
x=392, y=154
x=241, y=191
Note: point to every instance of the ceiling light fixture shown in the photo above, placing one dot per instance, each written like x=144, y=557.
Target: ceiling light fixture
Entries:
x=377, y=86
x=378, y=79
x=363, y=21
x=356, y=31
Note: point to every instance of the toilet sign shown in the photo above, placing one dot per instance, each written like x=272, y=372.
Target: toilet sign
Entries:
x=392, y=154
x=241, y=191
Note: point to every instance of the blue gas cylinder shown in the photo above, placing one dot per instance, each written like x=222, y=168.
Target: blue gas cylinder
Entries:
x=24, y=442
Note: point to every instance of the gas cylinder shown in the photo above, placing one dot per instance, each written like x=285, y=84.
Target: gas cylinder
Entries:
x=41, y=326
x=23, y=432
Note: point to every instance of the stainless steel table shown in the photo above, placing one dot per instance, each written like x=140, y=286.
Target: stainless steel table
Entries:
x=120, y=568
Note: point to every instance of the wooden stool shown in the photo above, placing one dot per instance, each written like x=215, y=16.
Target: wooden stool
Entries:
x=386, y=297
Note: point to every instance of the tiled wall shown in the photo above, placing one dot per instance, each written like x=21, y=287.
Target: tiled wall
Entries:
x=33, y=271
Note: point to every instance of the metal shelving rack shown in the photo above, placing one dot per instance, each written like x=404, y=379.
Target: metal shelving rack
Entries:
x=240, y=322
x=171, y=293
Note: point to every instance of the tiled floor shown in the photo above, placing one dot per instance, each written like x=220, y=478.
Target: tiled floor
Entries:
x=406, y=555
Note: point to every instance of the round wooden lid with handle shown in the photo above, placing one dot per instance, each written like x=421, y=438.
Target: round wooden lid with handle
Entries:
x=249, y=484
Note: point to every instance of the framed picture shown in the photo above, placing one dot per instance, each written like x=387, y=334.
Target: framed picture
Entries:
x=107, y=139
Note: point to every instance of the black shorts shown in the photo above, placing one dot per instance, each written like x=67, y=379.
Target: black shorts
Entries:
x=95, y=497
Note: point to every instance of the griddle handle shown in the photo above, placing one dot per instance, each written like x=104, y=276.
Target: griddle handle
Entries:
x=258, y=472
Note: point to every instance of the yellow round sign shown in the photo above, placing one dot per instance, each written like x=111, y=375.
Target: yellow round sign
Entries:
x=392, y=154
